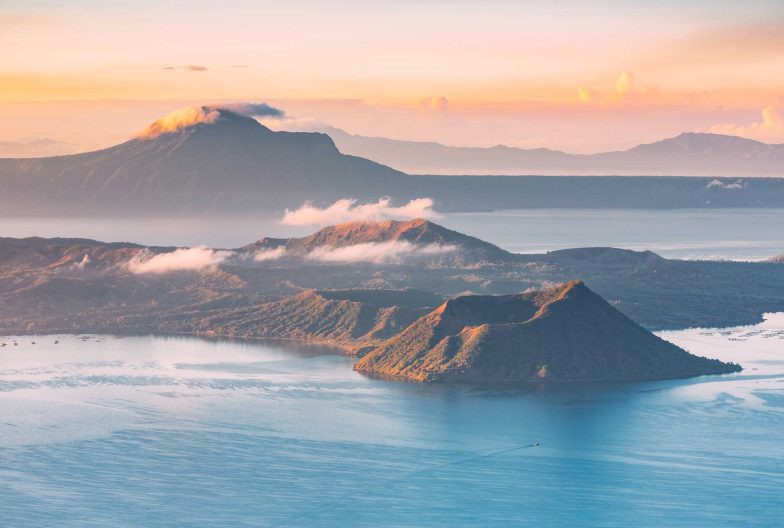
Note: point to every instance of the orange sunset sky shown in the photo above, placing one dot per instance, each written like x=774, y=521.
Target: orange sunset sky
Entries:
x=577, y=76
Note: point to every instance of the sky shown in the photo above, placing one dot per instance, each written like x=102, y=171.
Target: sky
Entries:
x=576, y=76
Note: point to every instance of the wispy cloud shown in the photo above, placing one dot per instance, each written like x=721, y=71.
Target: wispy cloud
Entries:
x=347, y=210
x=392, y=252
x=252, y=110
x=269, y=254
x=183, y=259
x=189, y=67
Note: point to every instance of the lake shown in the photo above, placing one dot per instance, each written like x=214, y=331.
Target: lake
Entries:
x=175, y=431
x=733, y=234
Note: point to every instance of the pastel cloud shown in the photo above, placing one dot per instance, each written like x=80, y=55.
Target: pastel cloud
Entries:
x=179, y=119
x=769, y=129
x=437, y=103
x=182, y=259
x=586, y=95
x=624, y=85
x=347, y=210
x=196, y=115
x=623, y=90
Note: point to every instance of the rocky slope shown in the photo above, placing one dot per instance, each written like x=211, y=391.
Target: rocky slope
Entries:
x=346, y=318
x=418, y=239
x=76, y=285
x=567, y=333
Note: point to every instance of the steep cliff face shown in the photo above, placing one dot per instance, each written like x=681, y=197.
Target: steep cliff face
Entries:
x=567, y=333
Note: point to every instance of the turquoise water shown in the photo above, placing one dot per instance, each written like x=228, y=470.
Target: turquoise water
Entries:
x=164, y=431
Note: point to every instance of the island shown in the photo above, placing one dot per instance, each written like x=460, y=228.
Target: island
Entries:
x=564, y=333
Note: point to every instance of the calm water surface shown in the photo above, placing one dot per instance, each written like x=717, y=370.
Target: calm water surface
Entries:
x=163, y=431
x=734, y=234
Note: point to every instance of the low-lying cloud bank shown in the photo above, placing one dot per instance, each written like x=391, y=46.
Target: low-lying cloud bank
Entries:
x=199, y=258
x=347, y=210
x=183, y=259
x=270, y=254
x=392, y=252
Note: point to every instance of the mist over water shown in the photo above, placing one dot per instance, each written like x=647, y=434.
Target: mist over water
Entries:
x=163, y=431
x=732, y=234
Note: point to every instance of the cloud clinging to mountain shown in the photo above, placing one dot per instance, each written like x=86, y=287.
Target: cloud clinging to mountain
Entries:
x=252, y=109
x=182, y=259
x=347, y=210
x=391, y=252
x=197, y=115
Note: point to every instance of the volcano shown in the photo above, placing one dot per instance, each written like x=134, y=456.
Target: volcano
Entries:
x=229, y=162
x=565, y=333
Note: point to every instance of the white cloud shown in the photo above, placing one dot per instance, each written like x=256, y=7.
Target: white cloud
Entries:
x=392, y=252
x=270, y=254
x=182, y=259
x=724, y=185
x=769, y=129
x=347, y=210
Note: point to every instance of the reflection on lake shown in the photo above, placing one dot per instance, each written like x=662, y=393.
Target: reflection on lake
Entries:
x=164, y=431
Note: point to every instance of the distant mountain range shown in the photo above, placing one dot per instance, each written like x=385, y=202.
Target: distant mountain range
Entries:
x=689, y=154
x=233, y=164
x=565, y=333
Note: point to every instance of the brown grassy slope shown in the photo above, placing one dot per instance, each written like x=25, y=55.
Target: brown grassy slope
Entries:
x=567, y=333
x=418, y=232
x=347, y=318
